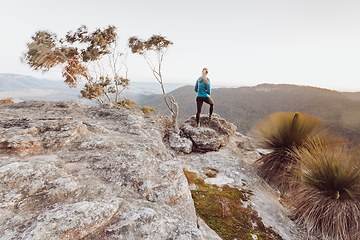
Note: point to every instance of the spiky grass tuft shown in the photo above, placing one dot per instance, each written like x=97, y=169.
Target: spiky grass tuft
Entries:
x=328, y=196
x=282, y=132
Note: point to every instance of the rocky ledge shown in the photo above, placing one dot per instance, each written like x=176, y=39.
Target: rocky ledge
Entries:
x=78, y=172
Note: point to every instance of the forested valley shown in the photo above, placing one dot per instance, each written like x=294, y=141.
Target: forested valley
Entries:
x=244, y=106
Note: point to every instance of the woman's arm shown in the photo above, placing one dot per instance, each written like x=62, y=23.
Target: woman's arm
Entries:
x=208, y=88
x=196, y=86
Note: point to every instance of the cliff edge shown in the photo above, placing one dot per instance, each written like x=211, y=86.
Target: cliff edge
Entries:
x=69, y=171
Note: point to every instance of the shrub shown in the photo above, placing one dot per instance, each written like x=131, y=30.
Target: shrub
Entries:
x=6, y=101
x=328, y=196
x=281, y=133
x=147, y=110
x=127, y=102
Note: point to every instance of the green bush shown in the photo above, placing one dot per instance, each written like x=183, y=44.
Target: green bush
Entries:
x=282, y=133
x=328, y=197
x=127, y=102
x=147, y=110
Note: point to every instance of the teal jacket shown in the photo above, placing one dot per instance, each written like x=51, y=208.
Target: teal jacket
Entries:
x=202, y=89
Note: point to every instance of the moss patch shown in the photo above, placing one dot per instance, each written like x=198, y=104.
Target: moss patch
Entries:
x=223, y=210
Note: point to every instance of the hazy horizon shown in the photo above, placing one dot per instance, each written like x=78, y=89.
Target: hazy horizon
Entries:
x=170, y=86
x=310, y=43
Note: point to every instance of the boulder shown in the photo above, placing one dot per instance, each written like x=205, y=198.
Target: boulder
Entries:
x=211, y=135
x=24, y=136
x=179, y=143
x=72, y=221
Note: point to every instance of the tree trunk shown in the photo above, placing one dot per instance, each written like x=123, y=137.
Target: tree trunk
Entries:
x=174, y=113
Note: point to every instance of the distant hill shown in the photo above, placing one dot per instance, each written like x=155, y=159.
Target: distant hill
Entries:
x=22, y=87
x=15, y=82
x=244, y=106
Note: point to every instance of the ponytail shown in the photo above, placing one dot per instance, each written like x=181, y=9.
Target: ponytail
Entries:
x=204, y=72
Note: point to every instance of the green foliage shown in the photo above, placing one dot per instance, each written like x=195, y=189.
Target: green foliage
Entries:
x=224, y=211
x=328, y=196
x=127, y=102
x=157, y=45
x=43, y=51
x=97, y=42
x=6, y=101
x=282, y=133
x=80, y=56
x=147, y=110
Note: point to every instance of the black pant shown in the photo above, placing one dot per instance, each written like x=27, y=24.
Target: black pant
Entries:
x=199, y=103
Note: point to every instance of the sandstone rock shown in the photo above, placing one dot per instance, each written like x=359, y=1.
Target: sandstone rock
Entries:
x=179, y=143
x=210, y=172
x=22, y=144
x=116, y=154
x=141, y=219
x=92, y=144
x=72, y=221
x=207, y=232
x=211, y=135
x=25, y=136
x=28, y=185
x=105, y=173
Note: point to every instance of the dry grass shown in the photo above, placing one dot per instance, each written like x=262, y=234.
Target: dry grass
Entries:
x=283, y=132
x=328, y=196
x=6, y=101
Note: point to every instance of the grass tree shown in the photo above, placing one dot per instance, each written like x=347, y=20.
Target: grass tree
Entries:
x=92, y=56
x=157, y=45
x=281, y=133
x=328, y=197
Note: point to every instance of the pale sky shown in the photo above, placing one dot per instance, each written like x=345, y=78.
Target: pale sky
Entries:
x=242, y=42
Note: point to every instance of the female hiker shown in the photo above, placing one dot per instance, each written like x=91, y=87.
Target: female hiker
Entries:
x=202, y=87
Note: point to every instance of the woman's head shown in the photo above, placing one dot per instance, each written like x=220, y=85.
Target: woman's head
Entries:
x=205, y=71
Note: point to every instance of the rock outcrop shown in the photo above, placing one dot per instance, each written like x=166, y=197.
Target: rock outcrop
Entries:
x=211, y=135
x=79, y=172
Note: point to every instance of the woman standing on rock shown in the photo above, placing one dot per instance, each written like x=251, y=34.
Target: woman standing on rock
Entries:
x=202, y=87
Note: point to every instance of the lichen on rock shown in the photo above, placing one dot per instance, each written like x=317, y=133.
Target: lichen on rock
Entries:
x=224, y=211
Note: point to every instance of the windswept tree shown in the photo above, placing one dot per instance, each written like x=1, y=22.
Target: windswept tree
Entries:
x=92, y=56
x=157, y=45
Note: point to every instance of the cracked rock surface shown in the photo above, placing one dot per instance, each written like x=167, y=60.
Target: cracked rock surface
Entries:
x=211, y=135
x=78, y=172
